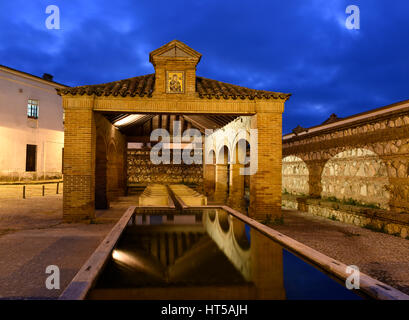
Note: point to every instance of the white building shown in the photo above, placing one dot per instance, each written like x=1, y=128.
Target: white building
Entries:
x=31, y=127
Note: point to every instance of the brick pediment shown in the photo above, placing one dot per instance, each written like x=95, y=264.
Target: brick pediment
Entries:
x=174, y=50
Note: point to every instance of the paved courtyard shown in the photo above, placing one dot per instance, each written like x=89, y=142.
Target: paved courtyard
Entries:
x=33, y=236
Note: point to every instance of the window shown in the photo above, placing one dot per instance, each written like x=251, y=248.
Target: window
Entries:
x=32, y=109
x=31, y=157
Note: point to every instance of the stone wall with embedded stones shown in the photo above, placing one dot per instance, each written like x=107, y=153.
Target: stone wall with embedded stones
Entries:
x=294, y=176
x=357, y=174
x=366, y=160
x=141, y=171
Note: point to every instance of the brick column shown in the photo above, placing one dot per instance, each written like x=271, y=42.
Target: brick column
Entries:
x=101, y=199
x=220, y=193
x=209, y=172
x=265, y=185
x=79, y=159
x=236, y=191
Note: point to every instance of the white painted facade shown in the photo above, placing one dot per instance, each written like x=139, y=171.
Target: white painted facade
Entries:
x=17, y=130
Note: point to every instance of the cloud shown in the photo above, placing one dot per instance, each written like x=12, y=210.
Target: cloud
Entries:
x=300, y=47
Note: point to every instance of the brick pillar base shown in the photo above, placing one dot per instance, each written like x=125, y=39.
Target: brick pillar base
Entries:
x=220, y=193
x=209, y=179
x=101, y=199
x=79, y=161
x=236, y=192
x=265, y=185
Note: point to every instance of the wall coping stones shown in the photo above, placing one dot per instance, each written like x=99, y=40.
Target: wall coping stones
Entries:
x=374, y=219
x=381, y=214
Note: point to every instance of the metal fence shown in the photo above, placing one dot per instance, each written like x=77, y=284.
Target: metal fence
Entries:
x=20, y=190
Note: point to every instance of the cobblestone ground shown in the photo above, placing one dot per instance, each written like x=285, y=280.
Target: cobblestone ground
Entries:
x=381, y=256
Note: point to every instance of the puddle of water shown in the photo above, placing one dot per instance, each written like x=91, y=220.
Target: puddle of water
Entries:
x=207, y=255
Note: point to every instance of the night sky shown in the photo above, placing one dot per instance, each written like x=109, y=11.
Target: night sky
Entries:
x=296, y=46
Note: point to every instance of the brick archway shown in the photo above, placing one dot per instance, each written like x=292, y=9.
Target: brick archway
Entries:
x=88, y=108
x=101, y=164
x=222, y=175
x=240, y=183
x=295, y=176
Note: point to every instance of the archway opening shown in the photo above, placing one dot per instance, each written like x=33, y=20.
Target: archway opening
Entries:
x=222, y=175
x=295, y=176
x=240, y=234
x=210, y=180
x=240, y=173
x=101, y=199
x=223, y=218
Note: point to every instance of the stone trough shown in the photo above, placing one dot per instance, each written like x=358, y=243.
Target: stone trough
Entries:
x=189, y=196
x=155, y=195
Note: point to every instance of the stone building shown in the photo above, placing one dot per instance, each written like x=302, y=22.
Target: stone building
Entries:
x=31, y=126
x=101, y=121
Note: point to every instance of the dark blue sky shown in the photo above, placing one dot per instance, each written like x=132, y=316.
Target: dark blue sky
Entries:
x=296, y=46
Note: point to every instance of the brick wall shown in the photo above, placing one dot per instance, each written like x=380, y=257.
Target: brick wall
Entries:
x=79, y=160
x=265, y=185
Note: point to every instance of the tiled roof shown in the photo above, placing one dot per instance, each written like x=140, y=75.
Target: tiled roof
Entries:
x=208, y=88
x=144, y=86
x=141, y=86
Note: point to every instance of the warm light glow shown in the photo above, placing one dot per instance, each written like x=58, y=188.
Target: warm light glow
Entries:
x=133, y=260
x=128, y=119
x=126, y=258
x=116, y=255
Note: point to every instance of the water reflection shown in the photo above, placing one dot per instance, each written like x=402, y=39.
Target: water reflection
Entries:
x=205, y=255
x=261, y=263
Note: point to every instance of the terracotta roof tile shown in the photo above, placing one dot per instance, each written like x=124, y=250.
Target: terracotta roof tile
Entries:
x=137, y=86
x=208, y=88
x=144, y=86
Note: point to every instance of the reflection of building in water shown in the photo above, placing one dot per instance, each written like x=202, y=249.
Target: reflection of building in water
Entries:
x=267, y=267
x=209, y=260
x=259, y=259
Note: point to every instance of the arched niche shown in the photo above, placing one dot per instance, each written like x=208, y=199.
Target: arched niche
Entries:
x=356, y=174
x=295, y=176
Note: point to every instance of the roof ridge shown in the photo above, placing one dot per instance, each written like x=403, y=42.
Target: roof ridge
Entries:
x=239, y=86
x=112, y=82
x=144, y=86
